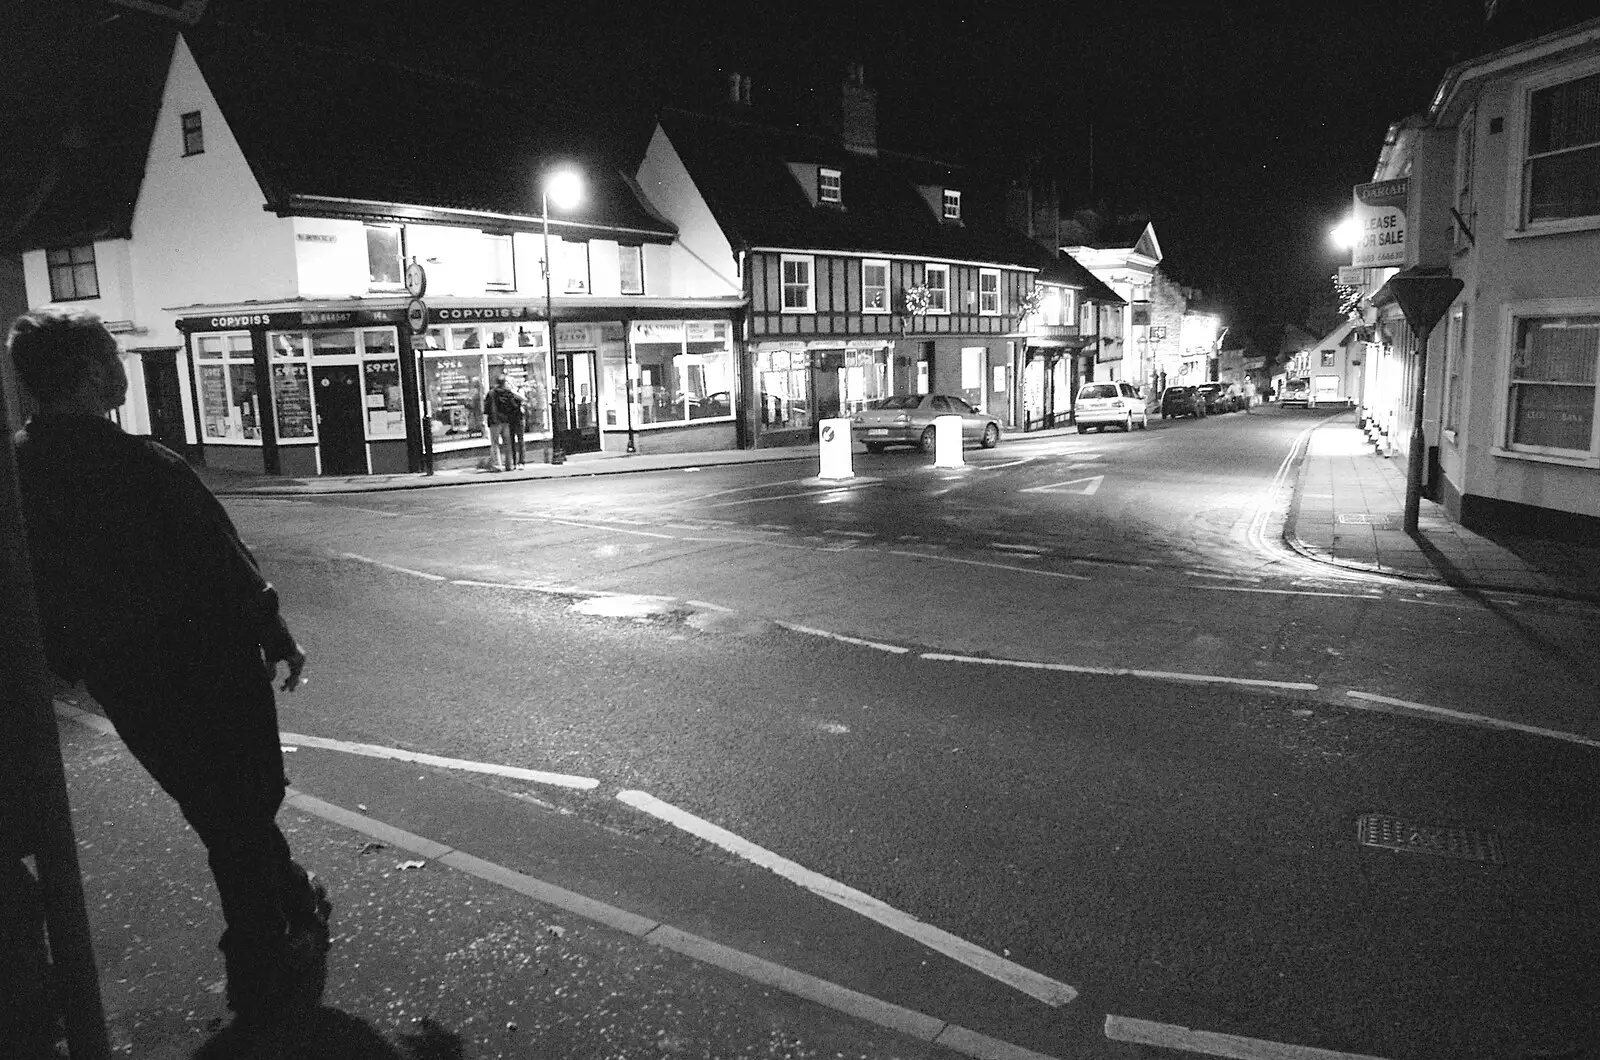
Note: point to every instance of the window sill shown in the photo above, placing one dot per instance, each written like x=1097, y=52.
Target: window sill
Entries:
x=1552, y=228
x=1546, y=458
x=247, y=443
x=799, y=312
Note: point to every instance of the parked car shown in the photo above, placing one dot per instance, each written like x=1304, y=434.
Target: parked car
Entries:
x=1182, y=401
x=1296, y=394
x=1102, y=405
x=907, y=419
x=1220, y=397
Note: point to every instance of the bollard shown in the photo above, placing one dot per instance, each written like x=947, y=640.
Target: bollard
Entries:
x=833, y=447
x=947, y=441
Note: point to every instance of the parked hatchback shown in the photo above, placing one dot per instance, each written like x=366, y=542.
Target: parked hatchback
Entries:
x=1182, y=401
x=1102, y=405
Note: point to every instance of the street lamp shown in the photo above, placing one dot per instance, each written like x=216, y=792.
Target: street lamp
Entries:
x=565, y=186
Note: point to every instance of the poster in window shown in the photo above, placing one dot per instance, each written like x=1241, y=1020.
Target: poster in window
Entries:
x=1553, y=417
x=455, y=396
x=214, y=400
x=245, y=413
x=631, y=269
x=291, y=392
x=382, y=394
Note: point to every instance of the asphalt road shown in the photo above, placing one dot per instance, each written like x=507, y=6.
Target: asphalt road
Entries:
x=1178, y=850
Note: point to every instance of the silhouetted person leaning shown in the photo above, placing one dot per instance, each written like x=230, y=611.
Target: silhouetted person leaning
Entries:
x=149, y=597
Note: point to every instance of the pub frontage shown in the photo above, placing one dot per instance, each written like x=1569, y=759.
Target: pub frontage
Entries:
x=357, y=389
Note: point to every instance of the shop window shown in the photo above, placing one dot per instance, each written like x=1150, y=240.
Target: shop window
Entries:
x=989, y=292
x=459, y=364
x=1561, y=167
x=952, y=205
x=384, y=270
x=1455, y=357
x=1551, y=404
x=875, y=286
x=937, y=279
x=194, y=138
x=863, y=379
x=630, y=269
x=500, y=263
x=829, y=185
x=682, y=371
x=797, y=283
x=783, y=376
x=72, y=273
x=383, y=400
x=225, y=377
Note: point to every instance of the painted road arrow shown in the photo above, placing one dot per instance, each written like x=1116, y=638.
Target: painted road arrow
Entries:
x=1084, y=486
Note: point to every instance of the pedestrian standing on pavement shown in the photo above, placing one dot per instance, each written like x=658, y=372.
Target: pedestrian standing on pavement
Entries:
x=148, y=596
x=502, y=410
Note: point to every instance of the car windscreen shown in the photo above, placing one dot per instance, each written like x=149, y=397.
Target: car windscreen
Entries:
x=1103, y=390
x=899, y=401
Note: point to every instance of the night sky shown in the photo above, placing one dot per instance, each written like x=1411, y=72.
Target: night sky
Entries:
x=1239, y=127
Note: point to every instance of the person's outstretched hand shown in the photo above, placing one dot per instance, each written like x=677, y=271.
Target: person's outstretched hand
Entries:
x=282, y=647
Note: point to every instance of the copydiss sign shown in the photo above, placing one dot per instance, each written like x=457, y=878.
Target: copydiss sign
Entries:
x=1380, y=213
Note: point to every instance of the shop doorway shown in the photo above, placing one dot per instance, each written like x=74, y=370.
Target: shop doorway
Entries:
x=575, y=423
x=341, y=433
x=164, y=397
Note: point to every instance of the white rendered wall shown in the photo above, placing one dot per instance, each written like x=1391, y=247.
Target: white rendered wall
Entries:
x=701, y=262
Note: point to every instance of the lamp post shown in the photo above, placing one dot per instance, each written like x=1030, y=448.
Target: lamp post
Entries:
x=1423, y=300
x=566, y=187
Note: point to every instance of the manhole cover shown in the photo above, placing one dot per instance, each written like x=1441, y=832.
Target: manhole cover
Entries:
x=1394, y=833
x=1366, y=518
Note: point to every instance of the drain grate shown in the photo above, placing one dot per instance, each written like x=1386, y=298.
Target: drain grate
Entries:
x=1395, y=833
x=1366, y=518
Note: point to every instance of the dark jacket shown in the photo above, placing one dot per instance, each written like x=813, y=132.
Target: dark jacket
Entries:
x=502, y=405
x=145, y=590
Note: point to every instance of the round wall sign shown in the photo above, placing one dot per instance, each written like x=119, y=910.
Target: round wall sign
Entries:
x=416, y=279
x=417, y=315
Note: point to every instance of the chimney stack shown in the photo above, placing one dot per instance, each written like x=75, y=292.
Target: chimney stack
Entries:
x=738, y=90
x=859, y=112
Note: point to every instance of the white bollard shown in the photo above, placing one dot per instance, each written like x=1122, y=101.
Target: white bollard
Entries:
x=833, y=438
x=947, y=441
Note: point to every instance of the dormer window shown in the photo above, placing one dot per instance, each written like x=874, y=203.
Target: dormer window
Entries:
x=829, y=185
x=194, y=136
x=952, y=205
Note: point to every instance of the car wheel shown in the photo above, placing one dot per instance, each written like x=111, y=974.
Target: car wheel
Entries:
x=1127, y=424
x=930, y=440
x=991, y=436
x=1144, y=422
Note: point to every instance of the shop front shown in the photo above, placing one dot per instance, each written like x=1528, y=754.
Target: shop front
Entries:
x=799, y=384
x=1051, y=377
x=330, y=392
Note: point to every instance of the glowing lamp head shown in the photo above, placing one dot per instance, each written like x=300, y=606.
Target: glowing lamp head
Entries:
x=1344, y=234
x=564, y=188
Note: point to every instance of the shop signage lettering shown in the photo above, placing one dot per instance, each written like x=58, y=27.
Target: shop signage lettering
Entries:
x=302, y=318
x=504, y=312
x=1380, y=215
x=313, y=237
x=571, y=336
x=654, y=332
x=241, y=321
x=706, y=330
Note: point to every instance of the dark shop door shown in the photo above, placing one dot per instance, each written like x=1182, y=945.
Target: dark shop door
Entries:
x=340, y=432
x=574, y=420
x=163, y=397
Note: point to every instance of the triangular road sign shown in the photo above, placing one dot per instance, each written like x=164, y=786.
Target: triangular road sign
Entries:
x=1084, y=486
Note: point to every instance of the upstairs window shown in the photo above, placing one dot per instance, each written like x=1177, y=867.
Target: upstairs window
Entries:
x=988, y=292
x=194, y=137
x=829, y=185
x=875, y=286
x=383, y=257
x=937, y=279
x=797, y=282
x=630, y=269
x=500, y=264
x=573, y=261
x=1466, y=147
x=72, y=273
x=952, y=205
x=1561, y=171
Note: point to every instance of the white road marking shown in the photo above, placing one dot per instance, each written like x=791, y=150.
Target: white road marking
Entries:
x=1008, y=463
x=735, y=489
x=547, y=590
x=788, y=496
x=995, y=566
x=1086, y=486
x=1171, y=1036
x=1029, y=982
x=1120, y=671
x=592, y=526
x=368, y=750
x=1008, y=546
x=394, y=567
x=893, y=648
x=1291, y=592
x=850, y=533
x=1475, y=719
x=709, y=607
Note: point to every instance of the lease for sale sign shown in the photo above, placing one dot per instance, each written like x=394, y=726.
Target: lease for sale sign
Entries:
x=1380, y=215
